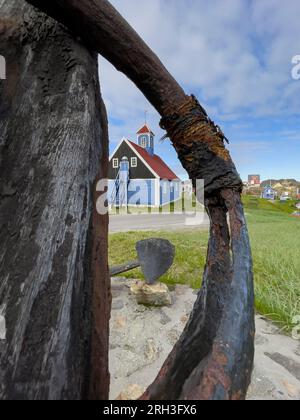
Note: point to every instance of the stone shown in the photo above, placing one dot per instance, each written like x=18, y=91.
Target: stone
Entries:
x=289, y=364
x=151, y=351
x=117, y=304
x=291, y=389
x=131, y=393
x=118, y=286
x=143, y=336
x=184, y=319
x=113, y=347
x=120, y=322
x=260, y=340
x=164, y=318
x=181, y=289
x=140, y=309
x=261, y=388
x=151, y=295
x=173, y=336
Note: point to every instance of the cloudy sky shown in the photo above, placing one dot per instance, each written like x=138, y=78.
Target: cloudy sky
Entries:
x=236, y=57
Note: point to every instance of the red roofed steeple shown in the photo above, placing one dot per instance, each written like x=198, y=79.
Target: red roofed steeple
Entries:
x=145, y=139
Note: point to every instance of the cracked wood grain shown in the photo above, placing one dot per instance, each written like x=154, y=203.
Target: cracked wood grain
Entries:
x=53, y=146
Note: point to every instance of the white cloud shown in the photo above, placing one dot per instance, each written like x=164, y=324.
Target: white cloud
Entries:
x=234, y=54
x=237, y=52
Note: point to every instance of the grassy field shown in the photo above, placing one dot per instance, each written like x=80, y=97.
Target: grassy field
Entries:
x=275, y=244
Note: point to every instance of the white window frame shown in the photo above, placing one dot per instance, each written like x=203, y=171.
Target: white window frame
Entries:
x=134, y=162
x=144, y=141
x=115, y=163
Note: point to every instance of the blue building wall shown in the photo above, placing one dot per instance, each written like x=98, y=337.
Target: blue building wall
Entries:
x=169, y=191
x=140, y=192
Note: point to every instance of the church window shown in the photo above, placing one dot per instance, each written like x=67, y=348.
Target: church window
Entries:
x=134, y=162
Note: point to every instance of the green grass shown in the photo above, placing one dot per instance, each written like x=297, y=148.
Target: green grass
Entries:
x=254, y=203
x=189, y=260
x=275, y=242
x=274, y=235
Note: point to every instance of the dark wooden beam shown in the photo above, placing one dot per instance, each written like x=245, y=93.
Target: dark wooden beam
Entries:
x=54, y=280
x=123, y=268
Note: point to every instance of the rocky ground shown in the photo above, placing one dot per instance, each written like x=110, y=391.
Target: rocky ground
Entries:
x=142, y=337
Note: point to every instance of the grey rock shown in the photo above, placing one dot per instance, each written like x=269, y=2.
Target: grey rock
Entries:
x=164, y=319
x=261, y=388
x=117, y=305
x=290, y=365
x=131, y=393
x=173, y=336
x=151, y=351
x=181, y=289
x=118, y=286
x=260, y=340
x=153, y=295
x=113, y=346
x=142, y=337
x=140, y=309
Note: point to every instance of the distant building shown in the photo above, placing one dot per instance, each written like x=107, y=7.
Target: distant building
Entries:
x=269, y=193
x=298, y=193
x=254, y=180
x=137, y=176
x=284, y=198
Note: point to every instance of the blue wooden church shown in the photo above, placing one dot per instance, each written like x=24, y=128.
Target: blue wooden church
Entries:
x=137, y=176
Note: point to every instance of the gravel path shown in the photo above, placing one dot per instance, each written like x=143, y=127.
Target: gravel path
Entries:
x=141, y=338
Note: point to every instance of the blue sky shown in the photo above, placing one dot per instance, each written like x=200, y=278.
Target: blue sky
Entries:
x=235, y=56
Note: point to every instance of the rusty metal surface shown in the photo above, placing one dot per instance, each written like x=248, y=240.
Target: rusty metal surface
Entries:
x=123, y=268
x=213, y=359
x=156, y=257
x=199, y=143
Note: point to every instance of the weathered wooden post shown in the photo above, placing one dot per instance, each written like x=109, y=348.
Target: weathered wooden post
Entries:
x=53, y=249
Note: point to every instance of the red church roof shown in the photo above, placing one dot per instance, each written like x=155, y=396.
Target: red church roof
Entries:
x=145, y=130
x=156, y=163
